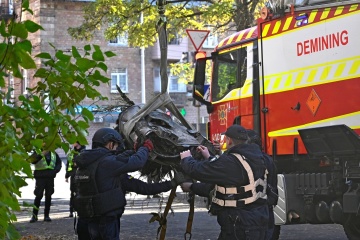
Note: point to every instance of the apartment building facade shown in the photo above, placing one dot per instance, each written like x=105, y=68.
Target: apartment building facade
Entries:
x=56, y=16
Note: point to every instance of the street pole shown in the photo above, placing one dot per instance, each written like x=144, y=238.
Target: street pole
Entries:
x=198, y=119
x=142, y=53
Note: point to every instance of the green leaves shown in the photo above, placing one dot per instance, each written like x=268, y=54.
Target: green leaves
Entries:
x=61, y=56
x=32, y=27
x=183, y=70
x=87, y=114
x=97, y=54
x=41, y=73
x=44, y=55
x=23, y=57
x=25, y=45
x=19, y=30
x=121, y=18
x=44, y=118
x=85, y=64
x=75, y=52
x=109, y=54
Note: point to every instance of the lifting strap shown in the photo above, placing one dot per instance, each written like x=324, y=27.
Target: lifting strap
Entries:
x=162, y=219
x=190, y=216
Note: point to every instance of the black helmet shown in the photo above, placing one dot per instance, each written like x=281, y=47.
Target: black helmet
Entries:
x=105, y=135
x=254, y=137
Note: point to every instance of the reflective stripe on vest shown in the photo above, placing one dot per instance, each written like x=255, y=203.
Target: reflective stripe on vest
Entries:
x=42, y=164
x=250, y=187
x=70, y=161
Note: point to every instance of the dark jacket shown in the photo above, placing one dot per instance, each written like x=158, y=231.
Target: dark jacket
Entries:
x=130, y=184
x=110, y=168
x=204, y=189
x=227, y=170
x=272, y=191
x=47, y=173
x=74, y=166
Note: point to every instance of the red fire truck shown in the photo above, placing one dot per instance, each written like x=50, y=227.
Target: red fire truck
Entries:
x=295, y=78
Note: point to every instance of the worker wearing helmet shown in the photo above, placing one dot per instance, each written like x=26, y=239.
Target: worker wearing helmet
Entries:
x=238, y=177
x=102, y=182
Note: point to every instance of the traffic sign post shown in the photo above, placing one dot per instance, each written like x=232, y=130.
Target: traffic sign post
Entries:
x=197, y=37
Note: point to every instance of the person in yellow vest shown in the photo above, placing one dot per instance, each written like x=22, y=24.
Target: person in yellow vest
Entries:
x=47, y=165
x=70, y=173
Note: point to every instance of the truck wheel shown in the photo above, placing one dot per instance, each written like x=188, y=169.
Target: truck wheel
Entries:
x=352, y=227
x=276, y=233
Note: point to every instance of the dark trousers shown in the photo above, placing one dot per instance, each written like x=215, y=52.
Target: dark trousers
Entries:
x=43, y=185
x=243, y=224
x=104, y=228
x=82, y=229
x=271, y=225
x=72, y=193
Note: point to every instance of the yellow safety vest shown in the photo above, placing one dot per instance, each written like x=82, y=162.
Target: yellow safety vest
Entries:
x=70, y=161
x=43, y=165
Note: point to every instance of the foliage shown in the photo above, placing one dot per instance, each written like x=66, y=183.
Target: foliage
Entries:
x=45, y=118
x=185, y=71
x=227, y=78
x=123, y=17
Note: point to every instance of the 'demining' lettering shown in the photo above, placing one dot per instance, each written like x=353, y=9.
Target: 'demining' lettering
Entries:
x=322, y=43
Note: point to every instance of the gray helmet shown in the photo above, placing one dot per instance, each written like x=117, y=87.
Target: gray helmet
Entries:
x=105, y=135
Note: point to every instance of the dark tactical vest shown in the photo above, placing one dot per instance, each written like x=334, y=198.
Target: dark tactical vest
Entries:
x=88, y=201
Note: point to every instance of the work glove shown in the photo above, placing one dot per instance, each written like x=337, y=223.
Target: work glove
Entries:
x=148, y=144
x=179, y=178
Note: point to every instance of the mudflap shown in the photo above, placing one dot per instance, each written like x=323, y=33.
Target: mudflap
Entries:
x=280, y=209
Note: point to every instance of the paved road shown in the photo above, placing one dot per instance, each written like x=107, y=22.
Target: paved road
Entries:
x=205, y=227
x=135, y=222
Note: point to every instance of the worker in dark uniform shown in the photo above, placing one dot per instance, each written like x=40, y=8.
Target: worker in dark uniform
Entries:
x=70, y=173
x=238, y=177
x=47, y=165
x=102, y=182
x=272, y=191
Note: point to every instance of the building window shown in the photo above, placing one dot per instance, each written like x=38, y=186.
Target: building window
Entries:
x=25, y=81
x=119, y=77
x=211, y=41
x=11, y=86
x=174, y=37
x=120, y=40
x=173, y=86
x=11, y=7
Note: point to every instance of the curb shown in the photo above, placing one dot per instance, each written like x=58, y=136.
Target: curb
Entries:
x=60, y=206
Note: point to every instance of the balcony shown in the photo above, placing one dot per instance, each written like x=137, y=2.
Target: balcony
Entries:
x=175, y=49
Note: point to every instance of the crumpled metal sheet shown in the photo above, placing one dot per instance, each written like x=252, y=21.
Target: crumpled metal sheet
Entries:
x=169, y=137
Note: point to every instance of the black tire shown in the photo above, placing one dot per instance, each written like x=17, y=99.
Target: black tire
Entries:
x=352, y=226
x=276, y=233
